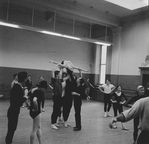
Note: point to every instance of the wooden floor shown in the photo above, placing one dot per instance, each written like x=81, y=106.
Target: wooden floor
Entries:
x=95, y=128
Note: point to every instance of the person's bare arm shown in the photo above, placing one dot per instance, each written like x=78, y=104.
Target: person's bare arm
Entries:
x=53, y=71
x=35, y=104
x=100, y=88
x=80, y=73
x=75, y=93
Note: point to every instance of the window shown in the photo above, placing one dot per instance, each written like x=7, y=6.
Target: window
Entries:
x=103, y=64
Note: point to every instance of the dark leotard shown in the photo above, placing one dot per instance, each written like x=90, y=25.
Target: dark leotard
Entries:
x=40, y=98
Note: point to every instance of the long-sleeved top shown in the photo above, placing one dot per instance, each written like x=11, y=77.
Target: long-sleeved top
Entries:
x=57, y=87
x=79, y=90
x=134, y=99
x=140, y=108
x=17, y=97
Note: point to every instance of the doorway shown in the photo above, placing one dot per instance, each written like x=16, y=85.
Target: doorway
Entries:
x=145, y=80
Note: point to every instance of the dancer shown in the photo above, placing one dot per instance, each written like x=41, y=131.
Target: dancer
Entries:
x=68, y=65
x=37, y=98
x=69, y=85
x=140, y=94
x=139, y=108
x=107, y=89
x=17, y=97
x=15, y=80
x=78, y=94
x=87, y=89
x=28, y=82
x=67, y=99
x=57, y=90
x=60, y=116
x=41, y=78
x=118, y=99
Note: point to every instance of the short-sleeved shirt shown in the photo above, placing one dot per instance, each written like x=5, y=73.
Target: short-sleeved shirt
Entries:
x=107, y=88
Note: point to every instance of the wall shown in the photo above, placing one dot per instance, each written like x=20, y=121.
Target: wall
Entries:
x=26, y=49
x=131, y=45
x=31, y=51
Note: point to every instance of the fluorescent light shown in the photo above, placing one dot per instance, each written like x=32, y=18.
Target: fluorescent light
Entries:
x=60, y=35
x=51, y=33
x=9, y=25
x=101, y=43
x=71, y=37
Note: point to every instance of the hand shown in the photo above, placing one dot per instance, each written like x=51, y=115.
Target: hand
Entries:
x=26, y=97
x=79, y=69
x=73, y=93
x=34, y=110
x=114, y=101
x=122, y=102
x=113, y=120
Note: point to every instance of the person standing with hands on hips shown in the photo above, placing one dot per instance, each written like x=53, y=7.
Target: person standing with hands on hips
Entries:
x=37, y=98
x=107, y=89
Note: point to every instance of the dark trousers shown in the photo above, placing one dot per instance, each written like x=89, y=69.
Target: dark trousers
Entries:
x=67, y=105
x=61, y=106
x=143, y=138
x=77, y=108
x=56, y=109
x=12, y=125
x=117, y=108
x=107, y=102
x=43, y=101
x=136, y=124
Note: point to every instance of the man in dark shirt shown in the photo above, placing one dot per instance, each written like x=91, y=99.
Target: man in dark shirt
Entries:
x=17, y=98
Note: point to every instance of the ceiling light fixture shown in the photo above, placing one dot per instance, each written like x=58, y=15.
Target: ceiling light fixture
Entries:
x=9, y=25
x=71, y=37
x=53, y=33
x=102, y=43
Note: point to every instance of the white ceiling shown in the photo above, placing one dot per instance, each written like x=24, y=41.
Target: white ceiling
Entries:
x=115, y=9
